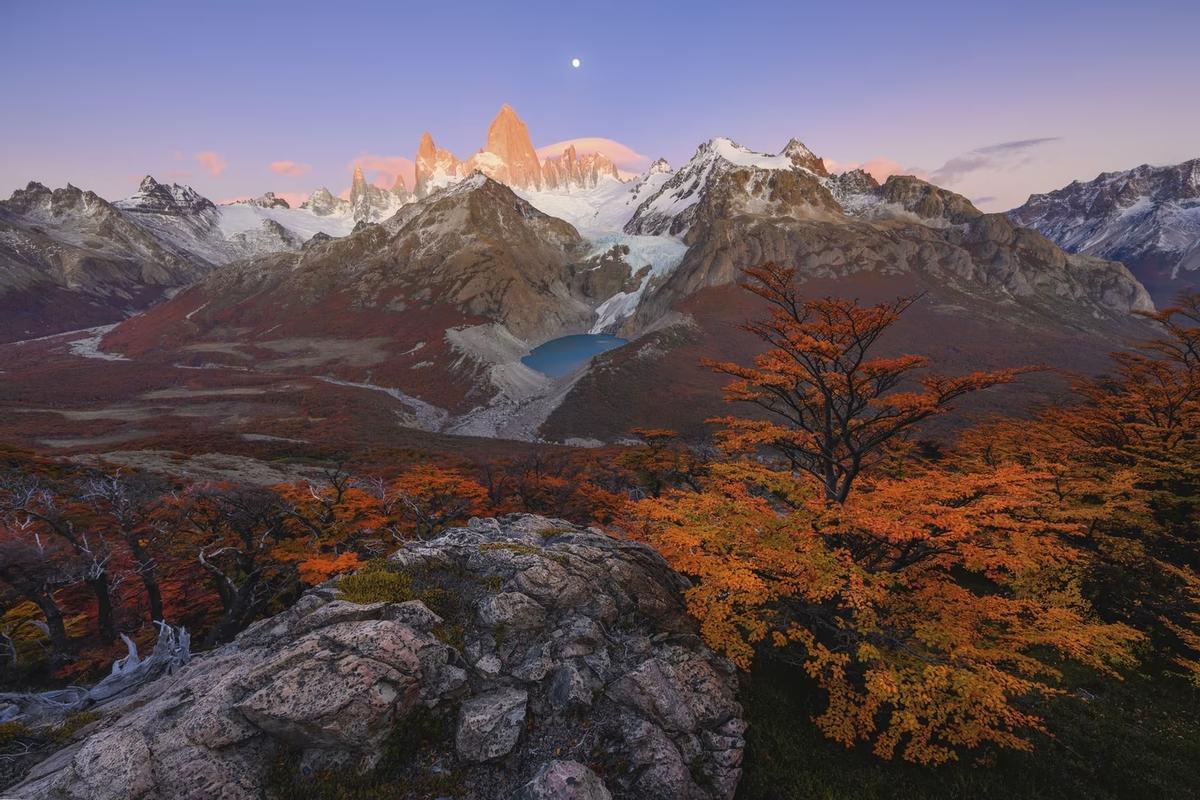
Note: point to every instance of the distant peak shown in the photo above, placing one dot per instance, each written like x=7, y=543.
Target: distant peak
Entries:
x=658, y=167
x=148, y=184
x=801, y=156
x=794, y=145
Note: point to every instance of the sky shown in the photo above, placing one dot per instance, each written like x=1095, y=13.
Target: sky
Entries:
x=992, y=100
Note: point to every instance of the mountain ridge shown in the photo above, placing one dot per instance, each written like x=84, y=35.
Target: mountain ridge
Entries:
x=1146, y=217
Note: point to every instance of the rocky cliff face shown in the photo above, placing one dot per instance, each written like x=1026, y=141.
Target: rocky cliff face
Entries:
x=1147, y=218
x=539, y=647
x=509, y=156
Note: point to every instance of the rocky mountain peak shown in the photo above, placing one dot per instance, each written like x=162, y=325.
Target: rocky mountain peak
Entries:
x=323, y=203
x=400, y=189
x=927, y=201
x=435, y=167
x=672, y=207
x=153, y=197
x=660, y=166
x=266, y=200
x=801, y=156
x=570, y=170
x=509, y=155
x=370, y=203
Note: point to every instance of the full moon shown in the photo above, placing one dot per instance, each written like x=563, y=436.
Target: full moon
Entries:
x=575, y=63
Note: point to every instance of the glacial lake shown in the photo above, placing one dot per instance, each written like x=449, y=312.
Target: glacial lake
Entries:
x=559, y=356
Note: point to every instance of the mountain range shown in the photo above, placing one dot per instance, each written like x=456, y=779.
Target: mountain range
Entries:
x=435, y=295
x=1147, y=218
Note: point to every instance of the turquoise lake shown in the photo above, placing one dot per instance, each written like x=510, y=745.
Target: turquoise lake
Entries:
x=559, y=356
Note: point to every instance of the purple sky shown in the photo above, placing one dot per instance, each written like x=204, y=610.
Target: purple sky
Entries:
x=994, y=100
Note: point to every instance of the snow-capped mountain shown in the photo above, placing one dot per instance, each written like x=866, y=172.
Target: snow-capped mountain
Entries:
x=212, y=234
x=266, y=200
x=325, y=203
x=1148, y=218
x=672, y=208
x=732, y=206
x=70, y=259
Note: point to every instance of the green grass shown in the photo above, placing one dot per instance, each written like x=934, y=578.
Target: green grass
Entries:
x=1136, y=739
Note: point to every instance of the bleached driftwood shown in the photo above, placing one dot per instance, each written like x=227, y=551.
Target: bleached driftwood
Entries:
x=171, y=651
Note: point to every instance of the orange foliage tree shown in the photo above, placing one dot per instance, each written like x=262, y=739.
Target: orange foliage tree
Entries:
x=664, y=462
x=832, y=406
x=1125, y=461
x=425, y=499
x=930, y=608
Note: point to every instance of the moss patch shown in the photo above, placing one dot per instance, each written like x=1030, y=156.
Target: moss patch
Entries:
x=410, y=766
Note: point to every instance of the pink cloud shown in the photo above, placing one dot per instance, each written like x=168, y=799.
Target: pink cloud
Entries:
x=624, y=156
x=178, y=155
x=212, y=163
x=878, y=168
x=292, y=168
x=387, y=169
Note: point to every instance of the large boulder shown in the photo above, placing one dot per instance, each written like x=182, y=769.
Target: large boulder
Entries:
x=526, y=649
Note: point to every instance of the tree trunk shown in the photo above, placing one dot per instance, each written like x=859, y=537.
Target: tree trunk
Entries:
x=56, y=629
x=60, y=645
x=153, y=594
x=235, y=613
x=106, y=625
x=149, y=580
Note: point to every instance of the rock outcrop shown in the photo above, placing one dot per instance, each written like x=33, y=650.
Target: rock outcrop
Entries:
x=552, y=647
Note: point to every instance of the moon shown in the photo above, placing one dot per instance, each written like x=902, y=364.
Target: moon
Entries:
x=575, y=63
